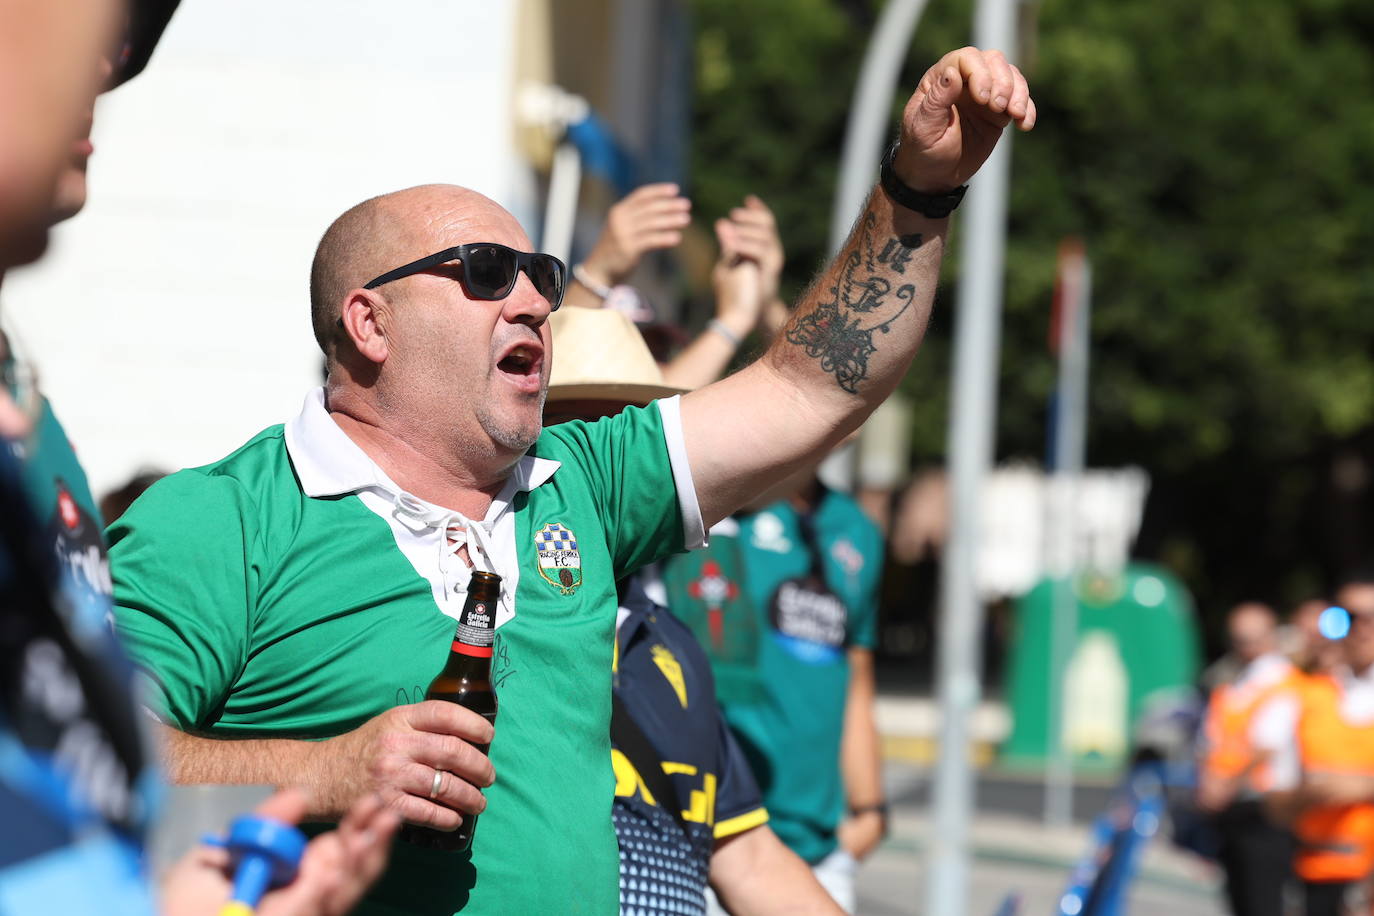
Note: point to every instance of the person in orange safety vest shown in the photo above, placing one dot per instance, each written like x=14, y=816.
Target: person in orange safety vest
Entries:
x=1235, y=771
x=1328, y=792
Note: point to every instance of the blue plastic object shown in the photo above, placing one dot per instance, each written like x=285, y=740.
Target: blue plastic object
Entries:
x=1011, y=906
x=265, y=853
x=602, y=153
x=1334, y=622
x=1100, y=880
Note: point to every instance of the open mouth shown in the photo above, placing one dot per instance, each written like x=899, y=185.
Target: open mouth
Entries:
x=523, y=364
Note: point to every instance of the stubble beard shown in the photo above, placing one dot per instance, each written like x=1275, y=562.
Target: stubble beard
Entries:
x=510, y=432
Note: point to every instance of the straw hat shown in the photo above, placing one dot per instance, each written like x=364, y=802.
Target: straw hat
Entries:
x=598, y=354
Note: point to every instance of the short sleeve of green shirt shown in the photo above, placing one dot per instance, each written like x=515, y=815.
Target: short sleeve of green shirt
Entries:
x=189, y=556
x=623, y=460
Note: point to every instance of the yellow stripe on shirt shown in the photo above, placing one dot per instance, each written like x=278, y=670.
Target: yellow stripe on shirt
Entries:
x=741, y=823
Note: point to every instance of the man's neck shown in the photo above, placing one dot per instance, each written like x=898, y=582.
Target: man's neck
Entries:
x=422, y=467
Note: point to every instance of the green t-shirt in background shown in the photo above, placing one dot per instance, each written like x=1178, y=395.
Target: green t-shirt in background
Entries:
x=261, y=611
x=792, y=736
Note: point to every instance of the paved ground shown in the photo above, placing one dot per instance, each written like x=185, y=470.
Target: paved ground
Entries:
x=891, y=884
x=1015, y=854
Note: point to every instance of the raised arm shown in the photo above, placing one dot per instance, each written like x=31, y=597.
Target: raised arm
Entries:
x=856, y=329
x=649, y=218
x=745, y=280
x=705, y=359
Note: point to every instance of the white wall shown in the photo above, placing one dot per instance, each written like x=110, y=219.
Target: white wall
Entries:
x=170, y=320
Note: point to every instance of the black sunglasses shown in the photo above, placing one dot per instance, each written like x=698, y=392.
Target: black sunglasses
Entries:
x=490, y=271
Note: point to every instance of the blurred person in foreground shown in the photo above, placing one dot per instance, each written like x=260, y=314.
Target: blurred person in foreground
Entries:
x=77, y=784
x=311, y=601
x=50, y=72
x=687, y=811
x=1239, y=734
x=1324, y=775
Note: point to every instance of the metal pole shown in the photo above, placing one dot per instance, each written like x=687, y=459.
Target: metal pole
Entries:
x=1070, y=443
x=973, y=405
x=560, y=212
x=870, y=112
x=555, y=109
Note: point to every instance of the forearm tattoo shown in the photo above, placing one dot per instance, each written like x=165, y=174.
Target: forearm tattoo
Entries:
x=836, y=331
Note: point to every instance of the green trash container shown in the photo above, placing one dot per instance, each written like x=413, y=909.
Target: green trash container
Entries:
x=1137, y=639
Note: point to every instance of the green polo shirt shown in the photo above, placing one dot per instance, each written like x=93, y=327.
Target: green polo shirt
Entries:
x=275, y=593
x=791, y=731
x=795, y=730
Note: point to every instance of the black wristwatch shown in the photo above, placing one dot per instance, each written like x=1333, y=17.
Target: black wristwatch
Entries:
x=934, y=206
x=879, y=808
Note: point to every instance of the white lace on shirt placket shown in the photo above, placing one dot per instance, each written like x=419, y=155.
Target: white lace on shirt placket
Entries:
x=454, y=531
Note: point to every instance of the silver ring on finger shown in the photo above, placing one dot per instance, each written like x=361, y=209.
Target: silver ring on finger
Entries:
x=437, y=784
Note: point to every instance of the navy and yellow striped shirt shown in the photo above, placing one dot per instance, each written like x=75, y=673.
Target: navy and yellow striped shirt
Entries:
x=663, y=678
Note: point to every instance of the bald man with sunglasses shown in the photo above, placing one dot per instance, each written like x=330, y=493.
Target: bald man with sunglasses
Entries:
x=297, y=596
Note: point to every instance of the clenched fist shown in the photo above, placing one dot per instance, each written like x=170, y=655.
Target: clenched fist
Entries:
x=956, y=115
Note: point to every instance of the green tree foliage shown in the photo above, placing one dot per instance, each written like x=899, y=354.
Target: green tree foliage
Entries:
x=1218, y=160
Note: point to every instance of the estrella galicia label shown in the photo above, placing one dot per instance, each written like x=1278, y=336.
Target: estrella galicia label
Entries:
x=476, y=630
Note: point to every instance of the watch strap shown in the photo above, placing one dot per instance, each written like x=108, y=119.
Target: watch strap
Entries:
x=934, y=206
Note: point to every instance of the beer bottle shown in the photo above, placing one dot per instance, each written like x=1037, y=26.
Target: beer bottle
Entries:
x=466, y=680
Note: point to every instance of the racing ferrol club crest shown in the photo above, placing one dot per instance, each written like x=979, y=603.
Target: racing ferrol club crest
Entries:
x=559, y=562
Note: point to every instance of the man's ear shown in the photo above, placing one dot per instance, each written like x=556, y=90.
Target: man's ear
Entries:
x=364, y=323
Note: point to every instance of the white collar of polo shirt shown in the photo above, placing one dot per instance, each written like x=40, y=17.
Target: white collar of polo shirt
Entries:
x=1268, y=669
x=1357, y=695
x=329, y=463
